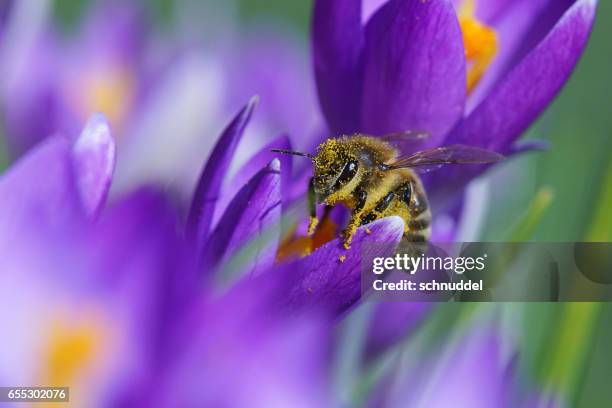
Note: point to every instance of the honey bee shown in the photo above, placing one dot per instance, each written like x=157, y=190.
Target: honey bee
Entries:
x=370, y=177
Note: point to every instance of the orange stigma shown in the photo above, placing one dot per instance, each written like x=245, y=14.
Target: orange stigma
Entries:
x=480, y=42
x=299, y=247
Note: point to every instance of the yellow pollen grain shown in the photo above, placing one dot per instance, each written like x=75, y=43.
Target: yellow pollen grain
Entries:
x=342, y=258
x=480, y=42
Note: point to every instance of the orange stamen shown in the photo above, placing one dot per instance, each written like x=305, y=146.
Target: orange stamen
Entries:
x=480, y=42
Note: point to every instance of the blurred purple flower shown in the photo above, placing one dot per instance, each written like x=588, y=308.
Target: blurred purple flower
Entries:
x=165, y=97
x=477, y=371
x=5, y=8
x=91, y=263
x=254, y=356
x=61, y=83
x=477, y=76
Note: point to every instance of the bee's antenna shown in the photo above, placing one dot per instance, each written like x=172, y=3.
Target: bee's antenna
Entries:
x=310, y=156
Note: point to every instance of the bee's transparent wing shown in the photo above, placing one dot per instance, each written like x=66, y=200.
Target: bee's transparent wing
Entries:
x=407, y=141
x=432, y=159
x=408, y=136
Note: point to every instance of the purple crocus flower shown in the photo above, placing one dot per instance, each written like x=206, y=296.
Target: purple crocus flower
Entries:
x=471, y=72
x=411, y=66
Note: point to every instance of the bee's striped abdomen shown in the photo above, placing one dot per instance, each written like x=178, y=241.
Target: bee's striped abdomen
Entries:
x=417, y=217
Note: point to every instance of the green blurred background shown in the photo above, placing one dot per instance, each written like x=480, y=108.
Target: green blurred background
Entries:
x=564, y=194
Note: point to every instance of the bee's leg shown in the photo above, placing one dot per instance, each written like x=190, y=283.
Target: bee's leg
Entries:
x=379, y=210
x=317, y=224
x=312, y=208
x=326, y=212
x=360, y=219
x=355, y=221
x=362, y=197
x=383, y=204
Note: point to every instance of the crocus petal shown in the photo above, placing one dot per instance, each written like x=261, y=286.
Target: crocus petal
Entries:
x=39, y=189
x=108, y=56
x=528, y=89
x=253, y=217
x=549, y=13
x=140, y=260
x=478, y=358
x=121, y=278
x=170, y=152
x=236, y=353
x=5, y=9
x=29, y=73
x=337, y=41
x=414, y=69
x=328, y=282
x=511, y=21
x=125, y=37
x=474, y=373
x=272, y=64
x=39, y=209
x=488, y=10
x=252, y=167
x=207, y=190
x=391, y=322
x=369, y=7
x=94, y=161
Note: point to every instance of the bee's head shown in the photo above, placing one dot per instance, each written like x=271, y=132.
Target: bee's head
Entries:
x=334, y=168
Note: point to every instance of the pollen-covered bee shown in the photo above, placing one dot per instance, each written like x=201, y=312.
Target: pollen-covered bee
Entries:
x=368, y=176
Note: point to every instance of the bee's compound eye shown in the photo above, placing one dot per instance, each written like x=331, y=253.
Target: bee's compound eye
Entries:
x=407, y=195
x=348, y=172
